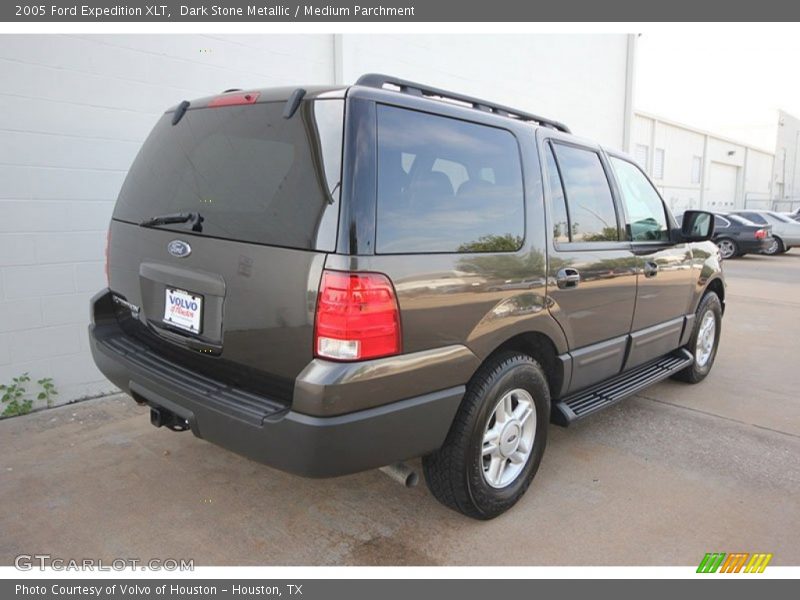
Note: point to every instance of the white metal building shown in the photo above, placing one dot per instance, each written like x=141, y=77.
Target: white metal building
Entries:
x=74, y=110
x=786, y=191
x=698, y=169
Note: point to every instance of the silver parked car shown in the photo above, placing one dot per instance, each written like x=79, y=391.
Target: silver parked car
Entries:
x=785, y=231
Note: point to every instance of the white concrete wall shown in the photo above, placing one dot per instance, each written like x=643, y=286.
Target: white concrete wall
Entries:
x=73, y=113
x=759, y=170
x=680, y=146
x=75, y=109
x=786, y=170
x=722, y=161
x=577, y=79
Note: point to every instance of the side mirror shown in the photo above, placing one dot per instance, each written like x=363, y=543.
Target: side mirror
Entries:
x=696, y=226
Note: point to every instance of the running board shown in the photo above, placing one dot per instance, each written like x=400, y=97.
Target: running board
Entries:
x=585, y=402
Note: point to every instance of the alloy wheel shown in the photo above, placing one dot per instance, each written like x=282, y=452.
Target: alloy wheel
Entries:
x=508, y=438
x=727, y=248
x=706, y=336
x=773, y=247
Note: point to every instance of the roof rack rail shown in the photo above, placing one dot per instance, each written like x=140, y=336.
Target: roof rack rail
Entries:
x=377, y=80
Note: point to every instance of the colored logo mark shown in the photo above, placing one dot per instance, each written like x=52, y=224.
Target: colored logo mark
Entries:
x=737, y=562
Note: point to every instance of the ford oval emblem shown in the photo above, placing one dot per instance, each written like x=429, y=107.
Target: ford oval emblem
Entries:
x=179, y=248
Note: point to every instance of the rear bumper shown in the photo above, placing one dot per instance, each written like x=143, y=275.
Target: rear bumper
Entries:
x=753, y=246
x=271, y=433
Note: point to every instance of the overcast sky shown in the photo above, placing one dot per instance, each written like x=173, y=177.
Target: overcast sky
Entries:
x=727, y=83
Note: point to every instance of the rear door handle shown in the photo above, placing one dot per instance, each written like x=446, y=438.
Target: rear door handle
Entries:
x=650, y=269
x=568, y=278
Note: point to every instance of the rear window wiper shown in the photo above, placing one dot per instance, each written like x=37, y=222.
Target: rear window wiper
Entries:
x=195, y=218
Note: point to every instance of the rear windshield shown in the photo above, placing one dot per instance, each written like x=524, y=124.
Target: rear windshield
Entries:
x=780, y=217
x=251, y=174
x=740, y=220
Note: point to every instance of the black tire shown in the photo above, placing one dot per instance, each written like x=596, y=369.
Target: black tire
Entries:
x=728, y=248
x=697, y=372
x=455, y=472
x=777, y=248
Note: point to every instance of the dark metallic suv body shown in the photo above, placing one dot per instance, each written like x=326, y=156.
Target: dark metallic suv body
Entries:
x=588, y=310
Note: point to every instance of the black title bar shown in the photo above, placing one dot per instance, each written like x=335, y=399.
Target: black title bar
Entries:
x=398, y=11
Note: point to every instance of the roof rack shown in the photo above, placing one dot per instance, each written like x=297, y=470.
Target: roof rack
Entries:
x=377, y=80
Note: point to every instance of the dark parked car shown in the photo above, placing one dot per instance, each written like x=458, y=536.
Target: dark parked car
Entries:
x=272, y=266
x=736, y=236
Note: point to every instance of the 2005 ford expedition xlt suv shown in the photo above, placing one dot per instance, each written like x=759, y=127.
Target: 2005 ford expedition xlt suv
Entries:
x=334, y=279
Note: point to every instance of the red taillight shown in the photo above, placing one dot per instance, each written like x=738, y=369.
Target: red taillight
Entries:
x=108, y=243
x=357, y=317
x=761, y=234
x=234, y=99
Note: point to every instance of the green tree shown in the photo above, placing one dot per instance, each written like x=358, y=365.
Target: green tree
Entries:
x=493, y=243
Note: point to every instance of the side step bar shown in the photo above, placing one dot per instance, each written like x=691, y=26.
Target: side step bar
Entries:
x=585, y=402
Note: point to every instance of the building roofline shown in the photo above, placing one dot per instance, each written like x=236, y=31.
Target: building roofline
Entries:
x=705, y=132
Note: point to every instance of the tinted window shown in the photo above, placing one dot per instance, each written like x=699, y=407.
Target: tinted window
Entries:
x=720, y=223
x=591, y=207
x=754, y=217
x=739, y=220
x=645, y=211
x=558, y=205
x=253, y=175
x=462, y=192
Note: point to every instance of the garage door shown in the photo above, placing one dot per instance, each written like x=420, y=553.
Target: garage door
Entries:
x=721, y=192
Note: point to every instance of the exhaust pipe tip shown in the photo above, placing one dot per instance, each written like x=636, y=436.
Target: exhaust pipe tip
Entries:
x=402, y=474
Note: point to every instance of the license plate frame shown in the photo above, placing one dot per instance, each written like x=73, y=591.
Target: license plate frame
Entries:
x=183, y=310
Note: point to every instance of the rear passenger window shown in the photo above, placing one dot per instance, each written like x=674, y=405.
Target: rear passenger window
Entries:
x=592, y=217
x=446, y=185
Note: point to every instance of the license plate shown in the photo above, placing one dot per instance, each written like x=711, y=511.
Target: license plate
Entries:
x=183, y=310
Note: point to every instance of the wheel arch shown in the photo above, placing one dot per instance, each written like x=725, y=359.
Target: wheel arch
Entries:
x=542, y=349
x=717, y=286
